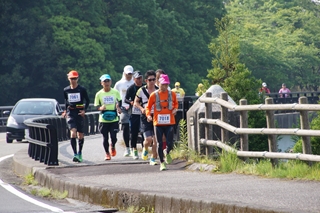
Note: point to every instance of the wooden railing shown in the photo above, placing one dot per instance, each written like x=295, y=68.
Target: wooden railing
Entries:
x=302, y=107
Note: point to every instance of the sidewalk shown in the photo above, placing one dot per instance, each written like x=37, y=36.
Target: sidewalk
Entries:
x=123, y=182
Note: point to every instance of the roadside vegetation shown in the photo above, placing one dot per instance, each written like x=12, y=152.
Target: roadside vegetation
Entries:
x=32, y=186
x=228, y=162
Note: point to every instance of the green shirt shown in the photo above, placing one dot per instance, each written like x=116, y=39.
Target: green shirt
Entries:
x=109, y=100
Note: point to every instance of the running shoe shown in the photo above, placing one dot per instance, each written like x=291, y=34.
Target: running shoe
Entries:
x=108, y=157
x=80, y=157
x=76, y=158
x=168, y=158
x=127, y=152
x=135, y=155
x=113, y=151
x=153, y=162
x=163, y=166
x=144, y=154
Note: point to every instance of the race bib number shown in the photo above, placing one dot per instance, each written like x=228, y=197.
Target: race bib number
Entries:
x=136, y=111
x=74, y=97
x=108, y=100
x=163, y=118
x=178, y=95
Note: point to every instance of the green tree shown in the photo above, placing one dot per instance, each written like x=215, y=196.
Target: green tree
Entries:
x=235, y=78
x=227, y=71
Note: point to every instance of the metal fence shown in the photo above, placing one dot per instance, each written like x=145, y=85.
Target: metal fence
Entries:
x=44, y=133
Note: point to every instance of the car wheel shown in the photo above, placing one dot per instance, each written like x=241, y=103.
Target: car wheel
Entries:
x=9, y=140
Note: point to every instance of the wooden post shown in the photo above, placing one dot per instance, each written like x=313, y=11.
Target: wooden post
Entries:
x=224, y=118
x=208, y=115
x=304, y=123
x=244, y=146
x=271, y=138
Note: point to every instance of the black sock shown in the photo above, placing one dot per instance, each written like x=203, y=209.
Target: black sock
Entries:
x=81, y=141
x=74, y=145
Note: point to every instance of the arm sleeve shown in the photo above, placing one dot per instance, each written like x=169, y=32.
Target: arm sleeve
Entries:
x=129, y=95
x=175, y=101
x=65, y=100
x=86, y=97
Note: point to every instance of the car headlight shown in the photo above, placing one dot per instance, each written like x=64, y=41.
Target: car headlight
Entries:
x=12, y=121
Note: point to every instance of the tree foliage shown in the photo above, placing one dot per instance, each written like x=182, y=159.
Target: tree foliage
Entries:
x=279, y=41
x=42, y=40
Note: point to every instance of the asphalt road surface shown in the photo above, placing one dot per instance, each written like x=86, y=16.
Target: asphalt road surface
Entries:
x=16, y=197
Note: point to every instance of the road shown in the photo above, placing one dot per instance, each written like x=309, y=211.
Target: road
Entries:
x=13, y=195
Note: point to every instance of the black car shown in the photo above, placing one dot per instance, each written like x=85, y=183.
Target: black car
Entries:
x=29, y=108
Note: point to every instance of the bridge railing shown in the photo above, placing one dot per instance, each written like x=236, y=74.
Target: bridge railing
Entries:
x=293, y=97
x=205, y=138
x=44, y=133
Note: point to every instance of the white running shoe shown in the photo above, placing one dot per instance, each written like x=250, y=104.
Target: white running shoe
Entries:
x=127, y=152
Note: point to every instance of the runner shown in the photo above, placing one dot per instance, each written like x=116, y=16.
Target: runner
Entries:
x=165, y=106
x=140, y=102
x=74, y=96
x=108, y=101
x=135, y=115
x=122, y=87
x=158, y=73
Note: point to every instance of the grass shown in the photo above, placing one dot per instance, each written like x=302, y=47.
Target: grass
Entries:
x=228, y=162
x=42, y=191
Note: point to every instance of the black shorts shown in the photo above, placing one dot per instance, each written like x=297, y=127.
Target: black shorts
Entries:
x=145, y=125
x=75, y=121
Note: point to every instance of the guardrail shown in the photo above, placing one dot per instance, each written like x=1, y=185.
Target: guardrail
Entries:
x=44, y=133
x=206, y=138
x=293, y=97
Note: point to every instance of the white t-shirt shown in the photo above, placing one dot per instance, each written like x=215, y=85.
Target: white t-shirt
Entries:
x=122, y=87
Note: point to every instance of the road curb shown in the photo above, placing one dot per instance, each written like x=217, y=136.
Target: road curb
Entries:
x=122, y=199
x=109, y=196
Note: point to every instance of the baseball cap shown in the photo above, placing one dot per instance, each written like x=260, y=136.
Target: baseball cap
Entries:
x=105, y=77
x=73, y=74
x=177, y=84
x=128, y=69
x=137, y=74
x=264, y=84
x=164, y=79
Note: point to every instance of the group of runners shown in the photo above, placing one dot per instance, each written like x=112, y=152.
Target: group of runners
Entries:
x=149, y=108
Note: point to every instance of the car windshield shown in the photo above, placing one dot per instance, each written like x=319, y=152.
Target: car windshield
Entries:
x=34, y=108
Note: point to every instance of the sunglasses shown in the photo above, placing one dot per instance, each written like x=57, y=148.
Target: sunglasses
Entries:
x=107, y=80
x=151, y=79
x=73, y=79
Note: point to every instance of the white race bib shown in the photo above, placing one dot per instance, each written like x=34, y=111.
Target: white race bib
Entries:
x=136, y=111
x=74, y=97
x=108, y=100
x=178, y=95
x=163, y=118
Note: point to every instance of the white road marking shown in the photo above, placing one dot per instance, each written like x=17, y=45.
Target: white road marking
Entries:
x=23, y=196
